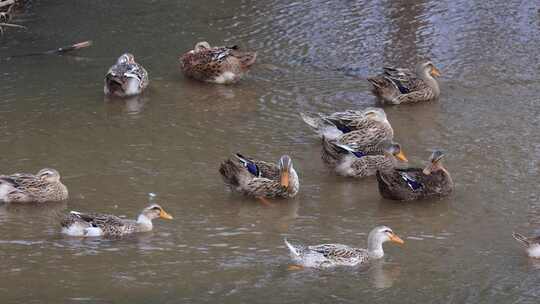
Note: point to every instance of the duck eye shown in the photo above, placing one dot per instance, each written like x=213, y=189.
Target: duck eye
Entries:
x=156, y=208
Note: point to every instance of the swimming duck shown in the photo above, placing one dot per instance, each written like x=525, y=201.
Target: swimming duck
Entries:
x=372, y=121
x=328, y=255
x=531, y=244
x=416, y=183
x=126, y=77
x=364, y=133
x=347, y=161
x=398, y=85
x=222, y=65
x=45, y=186
x=261, y=179
x=107, y=225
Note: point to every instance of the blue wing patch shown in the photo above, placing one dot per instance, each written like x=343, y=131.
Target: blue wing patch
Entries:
x=250, y=166
x=411, y=182
x=358, y=154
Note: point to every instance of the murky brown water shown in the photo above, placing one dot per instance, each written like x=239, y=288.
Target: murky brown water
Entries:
x=313, y=56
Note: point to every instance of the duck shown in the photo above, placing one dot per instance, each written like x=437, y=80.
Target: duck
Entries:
x=107, y=225
x=44, y=186
x=531, y=244
x=126, y=77
x=363, y=133
x=411, y=184
x=402, y=86
x=260, y=179
x=330, y=255
x=220, y=65
x=346, y=161
x=372, y=120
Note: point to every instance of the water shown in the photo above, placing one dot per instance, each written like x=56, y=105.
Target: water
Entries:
x=313, y=56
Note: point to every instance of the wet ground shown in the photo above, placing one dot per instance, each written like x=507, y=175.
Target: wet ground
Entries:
x=312, y=56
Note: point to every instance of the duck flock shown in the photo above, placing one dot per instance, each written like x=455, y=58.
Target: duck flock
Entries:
x=354, y=143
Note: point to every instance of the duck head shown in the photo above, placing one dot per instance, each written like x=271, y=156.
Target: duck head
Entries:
x=394, y=149
x=377, y=237
x=427, y=68
x=435, y=162
x=155, y=211
x=285, y=168
x=48, y=175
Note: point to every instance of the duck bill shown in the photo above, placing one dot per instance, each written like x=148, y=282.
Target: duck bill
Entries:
x=435, y=72
x=285, y=179
x=396, y=239
x=401, y=156
x=165, y=215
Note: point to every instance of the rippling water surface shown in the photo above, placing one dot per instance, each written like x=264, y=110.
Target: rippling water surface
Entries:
x=313, y=56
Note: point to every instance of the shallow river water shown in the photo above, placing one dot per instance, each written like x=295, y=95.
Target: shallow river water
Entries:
x=312, y=56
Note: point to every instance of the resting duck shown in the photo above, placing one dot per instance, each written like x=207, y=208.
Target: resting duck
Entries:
x=531, y=244
x=397, y=86
x=328, y=255
x=363, y=133
x=107, y=225
x=45, y=186
x=349, y=162
x=126, y=77
x=416, y=183
x=222, y=65
x=261, y=179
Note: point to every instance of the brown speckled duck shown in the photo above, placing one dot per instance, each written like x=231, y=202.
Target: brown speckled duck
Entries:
x=400, y=86
x=330, y=255
x=222, y=65
x=107, y=225
x=261, y=179
x=346, y=161
x=362, y=131
x=125, y=78
x=416, y=183
x=45, y=186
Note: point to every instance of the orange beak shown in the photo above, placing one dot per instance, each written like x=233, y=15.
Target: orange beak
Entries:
x=401, y=156
x=165, y=215
x=285, y=179
x=435, y=72
x=396, y=239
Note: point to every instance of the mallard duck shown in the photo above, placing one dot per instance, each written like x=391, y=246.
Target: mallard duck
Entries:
x=397, y=86
x=346, y=161
x=45, y=186
x=328, y=255
x=362, y=133
x=371, y=120
x=126, y=77
x=107, y=225
x=222, y=65
x=261, y=179
x=416, y=183
x=531, y=244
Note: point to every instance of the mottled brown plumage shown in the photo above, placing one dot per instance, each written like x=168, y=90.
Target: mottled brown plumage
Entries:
x=345, y=161
x=126, y=77
x=260, y=179
x=400, y=86
x=416, y=183
x=222, y=65
x=24, y=188
x=107, y=225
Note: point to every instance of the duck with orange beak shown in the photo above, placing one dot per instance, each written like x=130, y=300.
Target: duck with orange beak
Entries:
x=261, y=179
x=329, y=255
x=349, y=162
x=108, y=225
x=402, y=86
x=416, y=183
